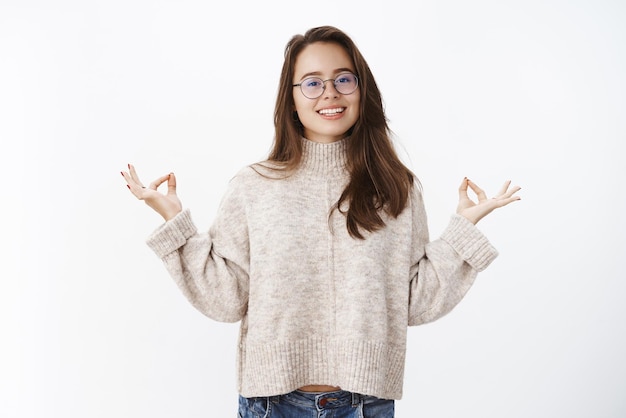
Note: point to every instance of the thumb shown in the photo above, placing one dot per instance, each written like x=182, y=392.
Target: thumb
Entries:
x=171, y=184
x=463, y=188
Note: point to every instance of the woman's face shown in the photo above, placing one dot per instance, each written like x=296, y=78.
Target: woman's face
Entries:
x=329, y=117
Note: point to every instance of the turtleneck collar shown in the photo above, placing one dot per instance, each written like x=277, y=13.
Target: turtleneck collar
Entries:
x=324, y=158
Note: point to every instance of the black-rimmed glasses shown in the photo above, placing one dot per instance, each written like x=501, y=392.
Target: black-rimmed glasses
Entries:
x=313, y=87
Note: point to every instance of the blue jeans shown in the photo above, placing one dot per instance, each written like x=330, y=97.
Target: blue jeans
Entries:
x=299, y=404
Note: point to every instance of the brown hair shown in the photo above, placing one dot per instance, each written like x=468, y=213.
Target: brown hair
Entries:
x=378, y=179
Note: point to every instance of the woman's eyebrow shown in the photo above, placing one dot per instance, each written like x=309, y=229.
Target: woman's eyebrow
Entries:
x=319, y=73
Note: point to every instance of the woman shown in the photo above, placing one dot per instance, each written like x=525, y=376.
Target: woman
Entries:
x=322, y=251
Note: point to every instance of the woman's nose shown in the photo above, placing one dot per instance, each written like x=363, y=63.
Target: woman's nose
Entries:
x=329, y=89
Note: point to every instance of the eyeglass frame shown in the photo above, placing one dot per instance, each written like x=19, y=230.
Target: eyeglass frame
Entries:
x=356, y=77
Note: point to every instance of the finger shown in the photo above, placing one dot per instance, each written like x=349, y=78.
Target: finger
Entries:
x=463, y=188
x=504, y=188
x=479, y=192
x=513, y=191
x=504, y=202
x=132, y=185
x=132, y=181
x=156, y=183
x=129, y=180
x=133, y=175
x=171, y=184
x=506, y=193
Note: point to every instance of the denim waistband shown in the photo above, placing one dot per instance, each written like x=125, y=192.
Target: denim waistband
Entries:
x=320, y=401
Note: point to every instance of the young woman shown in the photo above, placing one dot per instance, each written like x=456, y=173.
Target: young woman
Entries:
x=322, y=251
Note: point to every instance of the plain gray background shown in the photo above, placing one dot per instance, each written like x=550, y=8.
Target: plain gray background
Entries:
x=532, y=91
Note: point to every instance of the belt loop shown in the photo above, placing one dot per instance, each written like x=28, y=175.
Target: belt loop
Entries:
x=356, y=399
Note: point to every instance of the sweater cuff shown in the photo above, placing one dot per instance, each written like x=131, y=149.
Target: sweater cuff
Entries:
x=469, y=243
x=172, y=235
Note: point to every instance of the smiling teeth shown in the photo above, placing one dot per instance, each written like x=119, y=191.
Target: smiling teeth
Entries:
x=331, y=111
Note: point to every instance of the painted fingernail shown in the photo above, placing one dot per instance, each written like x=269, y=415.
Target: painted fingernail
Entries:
x=128, y=186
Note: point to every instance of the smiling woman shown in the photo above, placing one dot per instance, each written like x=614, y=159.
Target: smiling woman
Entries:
x=326, y=110
x=318, y=249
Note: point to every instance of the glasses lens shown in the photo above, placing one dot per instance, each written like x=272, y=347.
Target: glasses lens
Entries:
x=312, y=87
x=346, y=83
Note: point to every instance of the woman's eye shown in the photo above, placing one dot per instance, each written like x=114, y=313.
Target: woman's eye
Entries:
x=344, y=79
x=312, y=82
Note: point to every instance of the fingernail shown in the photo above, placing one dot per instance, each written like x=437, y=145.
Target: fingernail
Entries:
x=122, y=173
x=128, y=186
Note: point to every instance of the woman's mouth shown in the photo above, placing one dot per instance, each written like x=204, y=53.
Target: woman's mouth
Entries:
x=331, y=111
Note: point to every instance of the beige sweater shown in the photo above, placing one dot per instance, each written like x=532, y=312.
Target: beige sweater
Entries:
x=317, y=306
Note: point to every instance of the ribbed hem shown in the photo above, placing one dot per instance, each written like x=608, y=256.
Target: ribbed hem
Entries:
x=172, y=235
x=469, y=242
x=365, y=367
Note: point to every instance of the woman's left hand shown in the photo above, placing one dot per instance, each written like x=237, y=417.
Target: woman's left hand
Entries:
x=475, y=211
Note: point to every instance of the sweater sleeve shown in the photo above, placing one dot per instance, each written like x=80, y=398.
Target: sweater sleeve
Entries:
x=444, y=269
x=210, y=268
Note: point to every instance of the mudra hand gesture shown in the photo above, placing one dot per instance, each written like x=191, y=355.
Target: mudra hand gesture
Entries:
x=167, y=205
x=475, y=211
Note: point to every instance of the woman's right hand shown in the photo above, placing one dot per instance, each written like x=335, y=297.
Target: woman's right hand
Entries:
x=167, y=205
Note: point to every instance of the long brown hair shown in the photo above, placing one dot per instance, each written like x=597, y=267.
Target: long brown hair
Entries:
x=378, y=179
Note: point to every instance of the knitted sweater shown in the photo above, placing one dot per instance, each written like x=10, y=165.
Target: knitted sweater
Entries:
x=317, y=306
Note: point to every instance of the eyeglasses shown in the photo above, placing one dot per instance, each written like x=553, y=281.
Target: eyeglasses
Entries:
x=313, y=87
